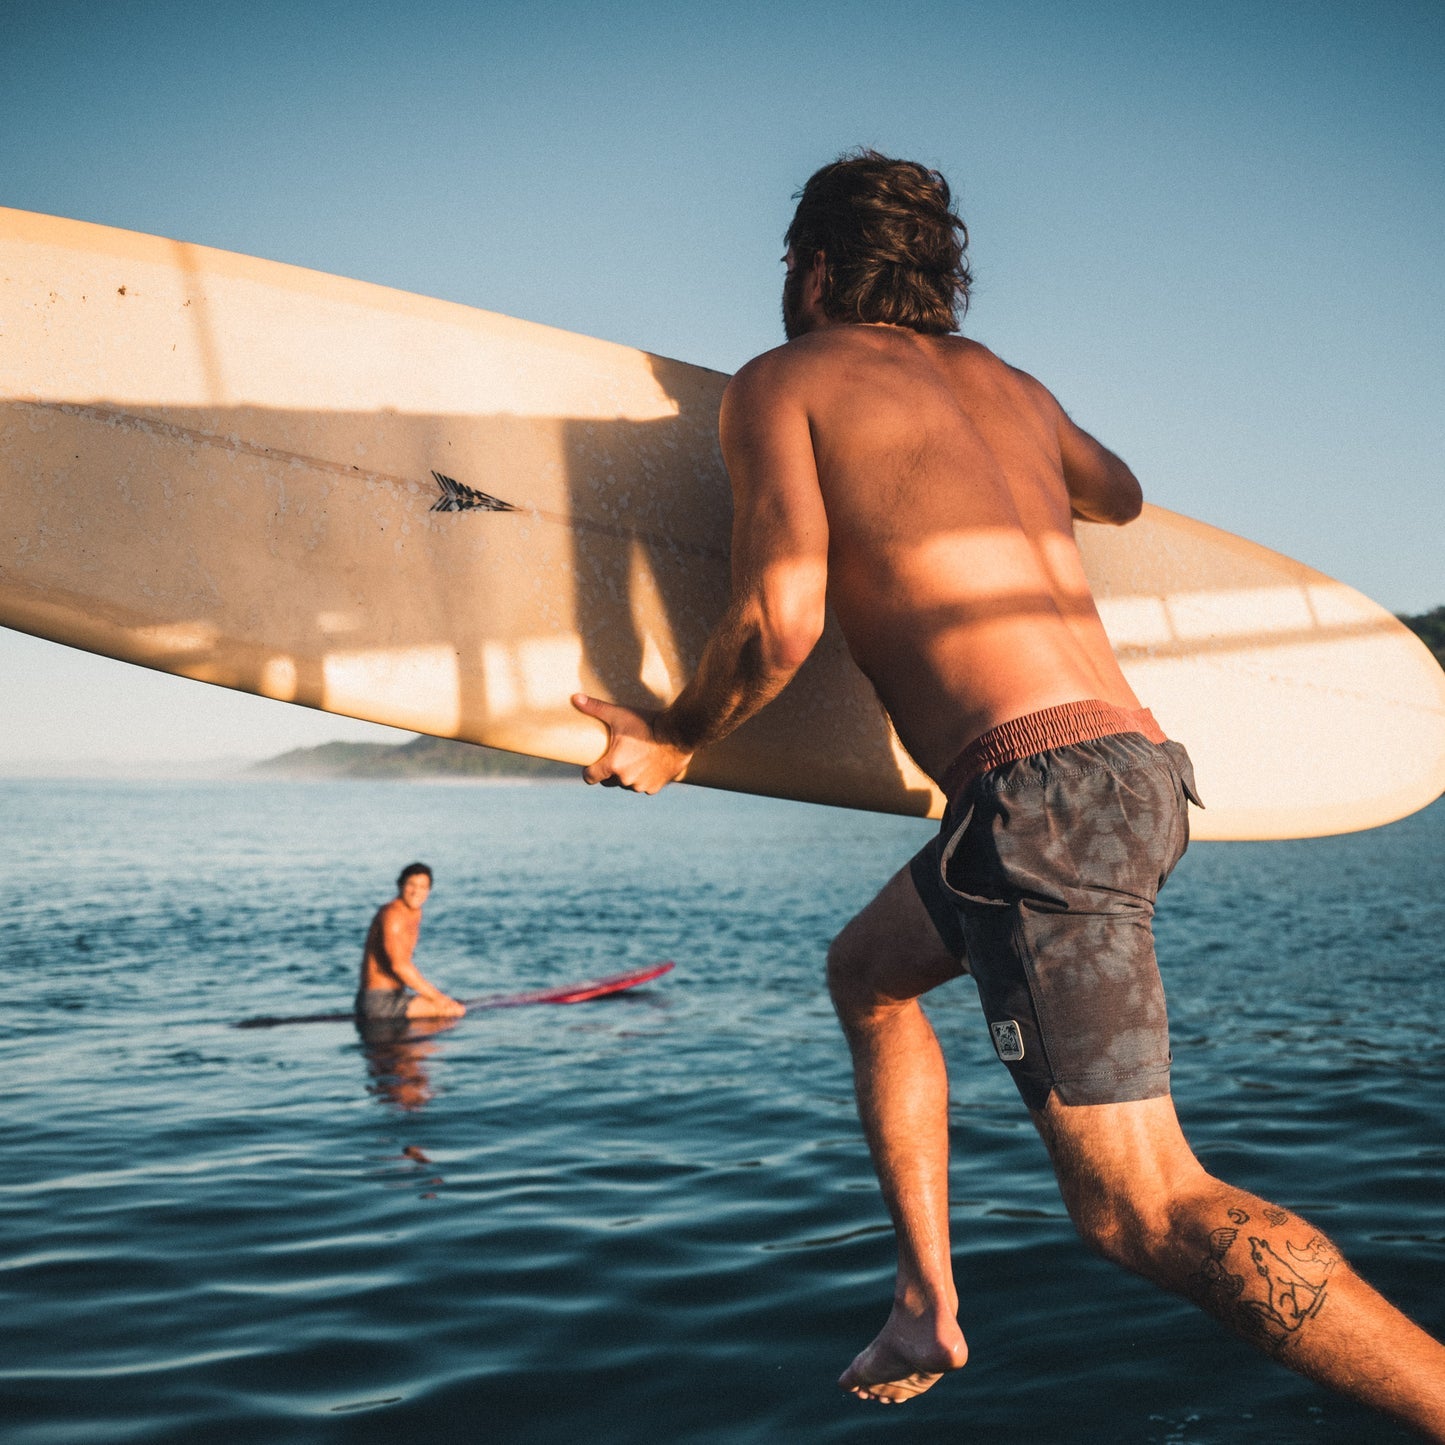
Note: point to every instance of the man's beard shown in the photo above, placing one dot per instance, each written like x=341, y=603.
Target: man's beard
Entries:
x=793, y=324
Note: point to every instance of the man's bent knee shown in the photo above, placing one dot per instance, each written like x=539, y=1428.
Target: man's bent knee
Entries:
x=1115, y=1230
x=849, y=970
x=889, y=954
x=1123, y=1170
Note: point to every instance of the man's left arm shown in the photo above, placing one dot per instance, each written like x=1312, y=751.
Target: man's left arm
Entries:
x=779, y=587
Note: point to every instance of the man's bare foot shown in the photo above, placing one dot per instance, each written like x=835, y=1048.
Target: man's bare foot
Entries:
x=912, y=1353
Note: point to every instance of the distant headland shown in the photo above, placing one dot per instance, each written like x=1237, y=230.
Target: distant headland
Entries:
x=1429, y=627
x=422, y=757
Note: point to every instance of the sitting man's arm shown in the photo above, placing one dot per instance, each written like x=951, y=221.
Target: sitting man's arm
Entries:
x=779, y=586
x=1101, y=487
x=396, y=939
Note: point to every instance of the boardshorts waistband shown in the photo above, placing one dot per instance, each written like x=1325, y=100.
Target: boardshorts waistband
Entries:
x=1042, y=880
x=1042, y=731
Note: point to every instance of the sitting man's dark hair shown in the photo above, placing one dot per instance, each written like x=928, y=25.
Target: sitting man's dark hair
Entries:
x=894, y=248
x=410, y=871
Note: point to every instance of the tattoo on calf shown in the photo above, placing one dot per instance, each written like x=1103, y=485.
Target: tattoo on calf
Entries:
x=1213, y=1286
x=1295, y=1288
x=1294, y=1283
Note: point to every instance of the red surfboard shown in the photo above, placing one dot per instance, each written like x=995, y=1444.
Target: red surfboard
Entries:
x=568, y=993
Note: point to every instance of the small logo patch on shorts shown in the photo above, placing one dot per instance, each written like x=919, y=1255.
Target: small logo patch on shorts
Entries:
x=1008, y=1041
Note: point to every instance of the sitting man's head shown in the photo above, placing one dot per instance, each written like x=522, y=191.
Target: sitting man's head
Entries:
x=413, y=884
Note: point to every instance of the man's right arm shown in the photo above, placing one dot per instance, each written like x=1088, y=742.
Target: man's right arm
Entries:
x=775, y=612
x=1101, y=487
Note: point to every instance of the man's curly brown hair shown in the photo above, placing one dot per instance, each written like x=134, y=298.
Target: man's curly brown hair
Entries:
x=894, y=248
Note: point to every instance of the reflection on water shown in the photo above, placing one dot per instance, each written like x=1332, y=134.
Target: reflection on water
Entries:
x=657, y=1207
x=396, y=1052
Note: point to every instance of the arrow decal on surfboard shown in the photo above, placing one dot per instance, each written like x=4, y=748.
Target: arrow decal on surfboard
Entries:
x=458, y=497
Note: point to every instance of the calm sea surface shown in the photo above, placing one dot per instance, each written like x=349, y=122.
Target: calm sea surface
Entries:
x=650, y=1217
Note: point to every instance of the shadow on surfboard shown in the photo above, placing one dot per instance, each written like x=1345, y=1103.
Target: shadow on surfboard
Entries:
x=568, y=993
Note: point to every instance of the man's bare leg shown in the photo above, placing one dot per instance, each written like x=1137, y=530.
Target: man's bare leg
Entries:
x=877, y=968
x=1137, y=1194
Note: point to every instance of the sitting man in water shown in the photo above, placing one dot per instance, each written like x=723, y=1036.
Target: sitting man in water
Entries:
x=387, y=971
x=886, y=465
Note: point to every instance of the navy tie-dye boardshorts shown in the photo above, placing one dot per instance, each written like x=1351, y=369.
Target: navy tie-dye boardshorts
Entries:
x=1042, y=880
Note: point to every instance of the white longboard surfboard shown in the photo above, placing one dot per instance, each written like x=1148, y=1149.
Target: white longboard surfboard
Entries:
x=425, y=515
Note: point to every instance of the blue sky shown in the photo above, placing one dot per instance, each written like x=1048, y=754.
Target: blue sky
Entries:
x=1214, y=230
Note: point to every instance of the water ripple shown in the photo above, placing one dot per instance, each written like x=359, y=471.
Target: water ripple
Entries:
x=653, y=1216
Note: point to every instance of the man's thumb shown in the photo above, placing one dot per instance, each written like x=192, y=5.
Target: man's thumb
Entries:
x=605, y=712
x=592, y=706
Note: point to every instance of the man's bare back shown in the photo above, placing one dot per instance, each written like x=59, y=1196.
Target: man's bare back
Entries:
x=950, y=481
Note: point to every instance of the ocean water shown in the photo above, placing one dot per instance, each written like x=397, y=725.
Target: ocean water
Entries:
x=649, y=1217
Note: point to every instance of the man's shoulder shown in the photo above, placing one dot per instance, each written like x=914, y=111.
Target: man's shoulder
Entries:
x=1014, y=375
x=768, y=386
x=787, y=371
x=796, y=370
x=769, y=368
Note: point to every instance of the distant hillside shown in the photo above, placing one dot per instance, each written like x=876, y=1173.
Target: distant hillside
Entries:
x=422, y=757
x=1430, y=628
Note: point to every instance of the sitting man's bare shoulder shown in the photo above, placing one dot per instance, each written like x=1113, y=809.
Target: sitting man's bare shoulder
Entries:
x=392, y=913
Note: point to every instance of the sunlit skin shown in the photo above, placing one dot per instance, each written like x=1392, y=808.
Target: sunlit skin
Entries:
x=927, y=490
x=386, y=961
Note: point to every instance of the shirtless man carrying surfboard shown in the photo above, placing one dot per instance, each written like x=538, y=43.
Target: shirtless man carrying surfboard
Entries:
x=885, y=464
